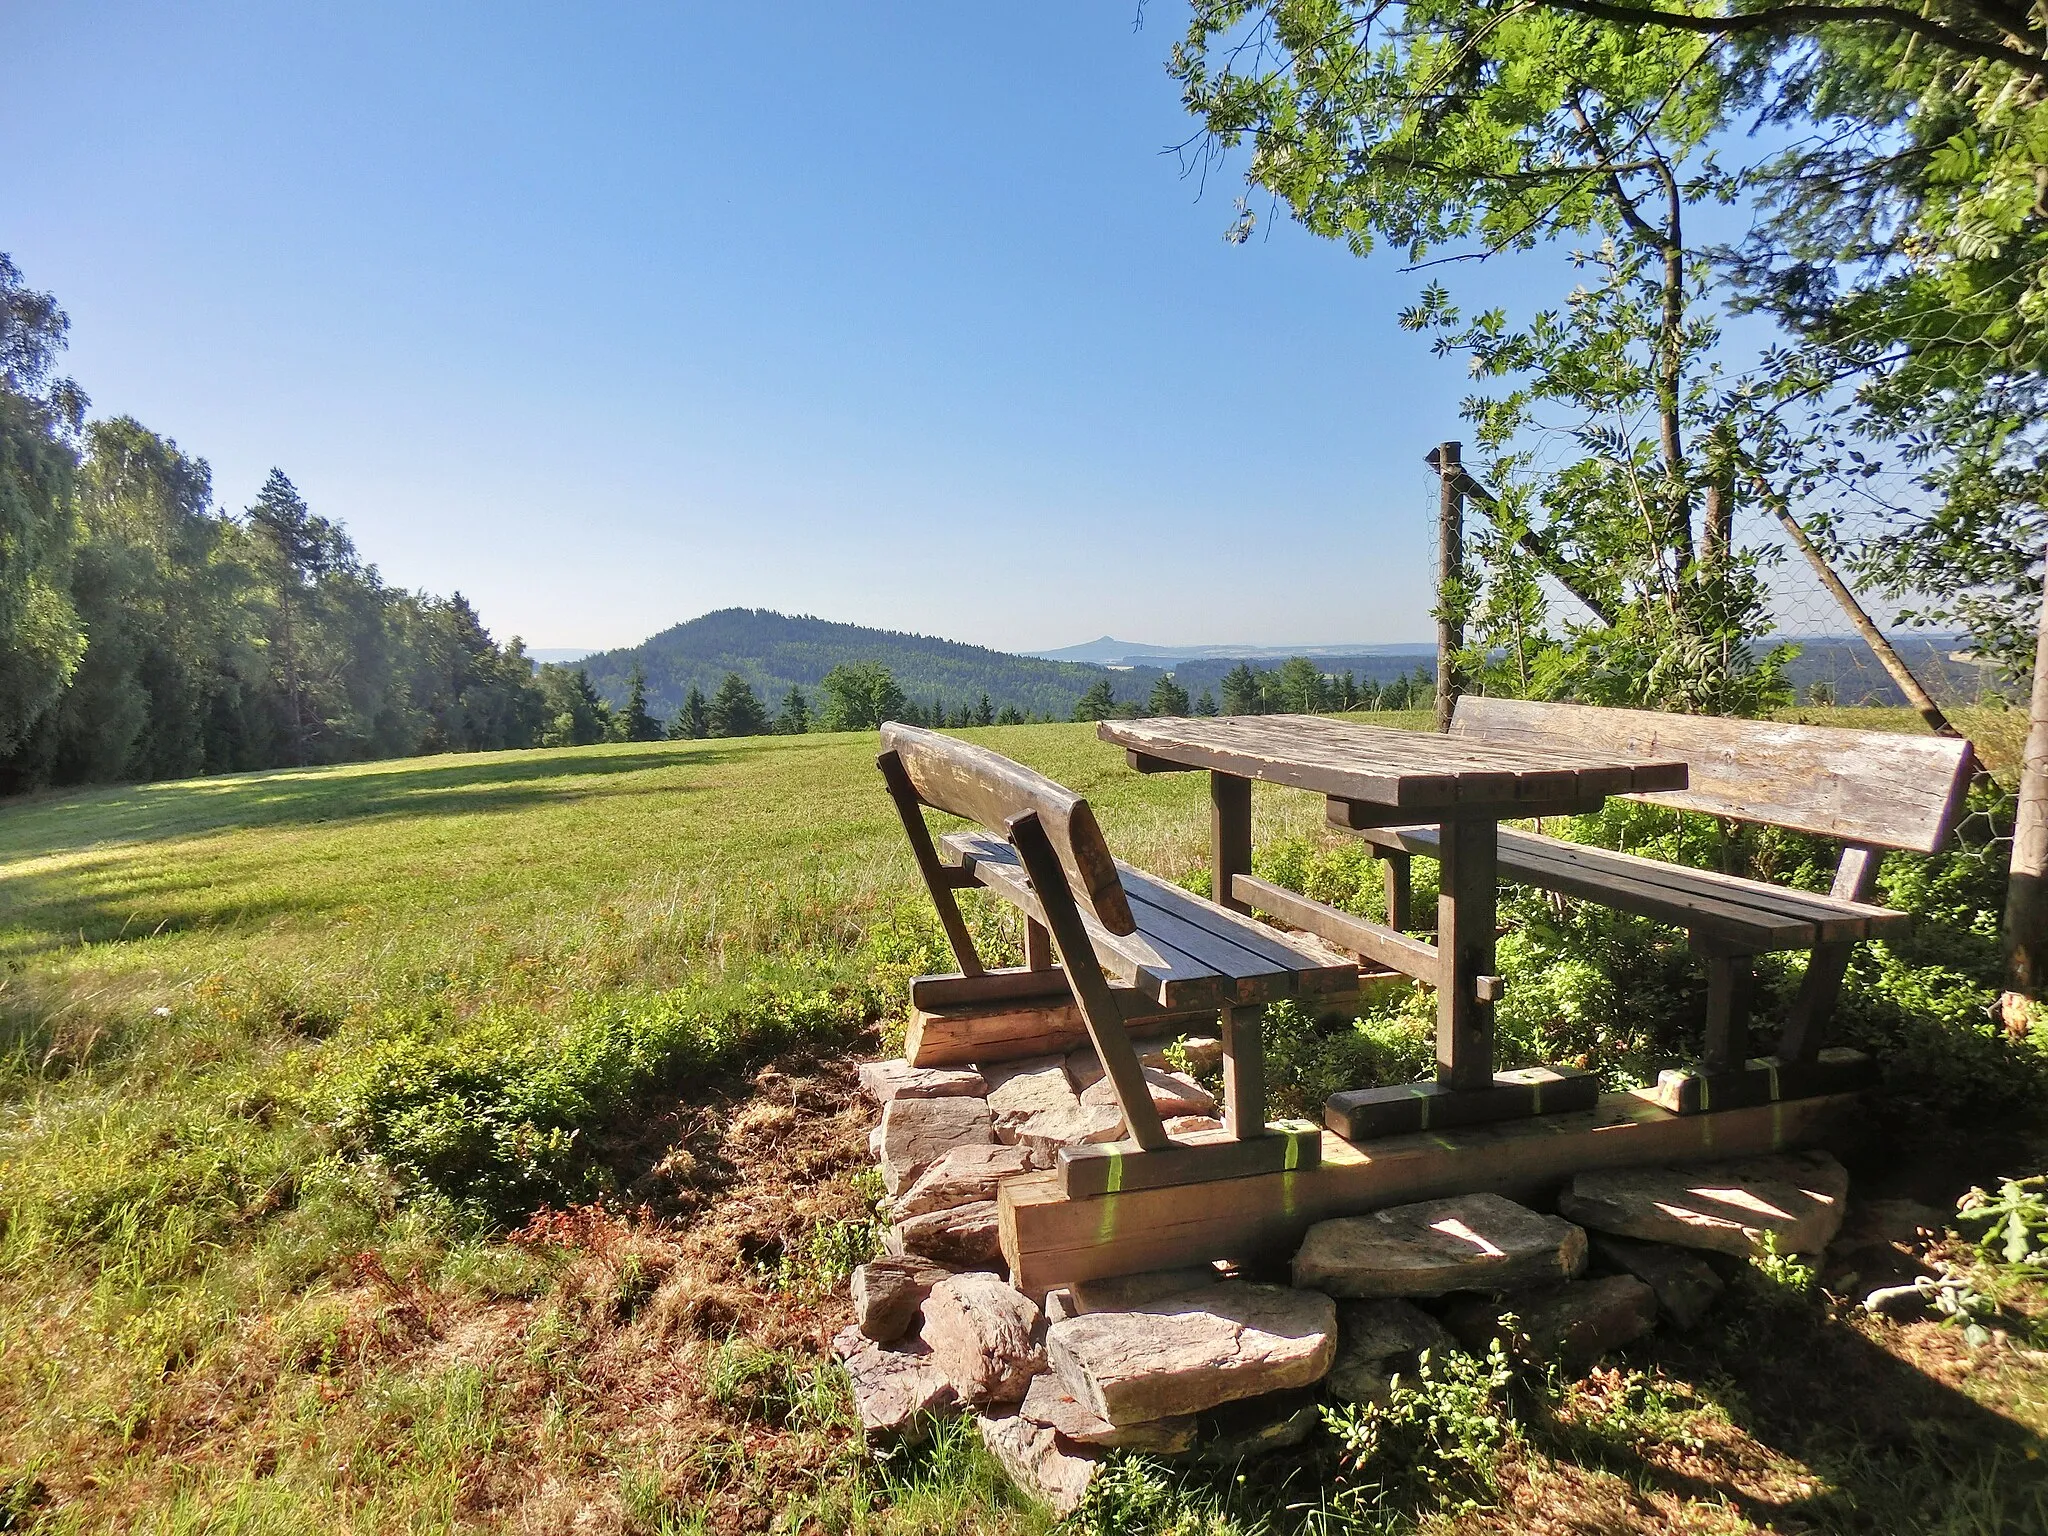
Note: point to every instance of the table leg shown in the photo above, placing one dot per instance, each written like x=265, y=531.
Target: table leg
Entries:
x=1244, y=1071
x=1465, y=924
x=1230, y=836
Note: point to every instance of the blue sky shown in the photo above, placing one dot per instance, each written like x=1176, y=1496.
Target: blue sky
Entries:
x=897, y=315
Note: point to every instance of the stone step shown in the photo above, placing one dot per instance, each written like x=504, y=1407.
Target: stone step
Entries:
x=887, y=1292
x=884, y=1081
x=961, y=1236
x=1049, y=1467
x=961, y=1177
x=897, y=1390
x=1569, y=1325
x=915, y=1133
x=1685, y=1283
x=1797, y=1197
x=1468, y=1243
x=981, y=1334
x=1188, y=1353
x=1049, y=1403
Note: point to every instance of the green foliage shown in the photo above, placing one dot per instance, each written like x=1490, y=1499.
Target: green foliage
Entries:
x=1438, y=1437
x=634, y=723
x=1097, y=703
x=860, y=696
x=794, y=717
x=735, y=711
x=1168, y=697
x=776, y=1387
x=1782, y=1276
x=692, y=722
x=575, y=715
x=2011, y=1225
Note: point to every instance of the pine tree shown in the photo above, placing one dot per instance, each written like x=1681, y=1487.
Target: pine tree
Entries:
x=735, y=709
x=1206, y=704
x=1242, y=694
x=636, y=724
x=1098, y=703
x=1009, y=714
x=795, y=717
x=985, y=712
x=693, y=721
x=1168, y=697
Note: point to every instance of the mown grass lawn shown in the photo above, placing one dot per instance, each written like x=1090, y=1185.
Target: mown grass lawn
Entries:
x=288, y=1059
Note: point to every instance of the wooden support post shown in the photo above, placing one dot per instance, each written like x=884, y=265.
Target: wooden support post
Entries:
x=1464, y=926
x=1729, y=975
x=1244, y=1072
x=934, y=870
x=1855, y=880
x=1446, y=460
x=1037, y=946
x=1092, y=995
x=1399, y=886
x=1230, y=836
x=2026, y=894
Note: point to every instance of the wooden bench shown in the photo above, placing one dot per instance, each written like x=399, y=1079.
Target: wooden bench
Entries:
x=1869, y=790
x=1128, y=947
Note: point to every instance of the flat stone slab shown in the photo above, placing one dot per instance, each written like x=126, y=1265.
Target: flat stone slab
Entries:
x=1685, y=1283
x=896, y=1390
x=1049, y=1403
x=886, y=1081
x=1378, y=1341
x=1184, y=1354
x=1468, y=1243
x=1799, y=1197
x=1052, y=1469
x=888, y=1291
x=915, y=1133
x=1569, y=1325
x=1172, y=1093
x=961, y=1237
x=981, y=1334
x=1034, y=1106
x=961, y=1177
x=1120, y=1293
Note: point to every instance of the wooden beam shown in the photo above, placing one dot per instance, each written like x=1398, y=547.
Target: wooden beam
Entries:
x=1464, y=927
x=1201, y=1157
x=1230, y=836
x=959, y=990
x=1348, y=931
x=939, y=876
x=1050, y=1240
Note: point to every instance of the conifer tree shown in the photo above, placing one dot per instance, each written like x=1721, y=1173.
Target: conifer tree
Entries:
x=1098, y=703
x=985, y=712
x=635, y=723
x=736, y=710
x=795, y=717
x=693, y=721
x=1242, y=694
x=1206, y=704
x=1168, y=697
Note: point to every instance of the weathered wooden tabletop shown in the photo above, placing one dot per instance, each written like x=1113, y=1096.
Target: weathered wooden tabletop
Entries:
x=1382, y=765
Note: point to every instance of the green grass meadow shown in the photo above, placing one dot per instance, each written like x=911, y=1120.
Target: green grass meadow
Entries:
x=287, y=1059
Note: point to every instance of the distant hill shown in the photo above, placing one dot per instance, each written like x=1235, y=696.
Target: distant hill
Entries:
x=1110, y=651
x=774, y=650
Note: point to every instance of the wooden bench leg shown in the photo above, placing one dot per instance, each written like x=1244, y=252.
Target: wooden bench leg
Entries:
x=1815, y=1005
x=1729, y=978
x=929, y=864
x=1037, y=946
x=1399, y=886
x=1464, y=923
x=1244, y=1072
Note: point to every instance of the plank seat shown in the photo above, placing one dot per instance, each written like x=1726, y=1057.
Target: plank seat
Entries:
x=1753, y=914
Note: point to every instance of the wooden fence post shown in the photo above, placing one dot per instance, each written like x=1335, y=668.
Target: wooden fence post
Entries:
x=2026, y=895
x=1446, y=459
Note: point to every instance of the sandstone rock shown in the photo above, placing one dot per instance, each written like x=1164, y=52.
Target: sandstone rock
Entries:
x=1120, y=1293
x=1183, y=1354
x=1050, y=1404
x=1035, y=1106
x=897, y=1390
x=1469, y=1243
x=1685, y=1283
x=884, y=1081
x=963, y=1176
x=916, y=1133
x=1724, y=1207
x=980, y=1333
x=887, y=1293
x=1055, y=1471
x=1571, y=1325
x=1259, y=1426
x=1200, y=1051
x=1172, y=1093
x=1059, y=1305
x=1377, y=1341
x=1180, y=1125
x=965, y=1237
x=1084, y=1068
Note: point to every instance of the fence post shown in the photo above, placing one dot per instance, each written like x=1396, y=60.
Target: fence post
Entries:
x=1446, y=460
x=2026, y=896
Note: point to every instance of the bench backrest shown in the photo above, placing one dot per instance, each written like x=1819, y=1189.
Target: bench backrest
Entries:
x=1879, y=788
x=962, y=779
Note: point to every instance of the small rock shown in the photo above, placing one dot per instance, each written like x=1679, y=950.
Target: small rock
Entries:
x=1685, y=1283
x=1050, y=1404
x=1181, y=1125
x=963, y=1176
x=1035, y=1106
x=1201, y=1052
x=1377, y=1341
x=965, y=1237
x=1084, y=1068
x=980, y=1333
x=1259, y=1426
x=1172, y=1094
x=885, y=1081
x=1055, y=1471
x=1469, y=1243
x=1059, y=1305
x=1571, y=1325
x=1184, y=1354
x=1724, y=1207
x=896, y=1390
x=887, y=1293
x=1120, y=1293
x=916, y=1133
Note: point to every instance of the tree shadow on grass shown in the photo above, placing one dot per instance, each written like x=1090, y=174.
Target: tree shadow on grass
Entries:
x=1890, y=1447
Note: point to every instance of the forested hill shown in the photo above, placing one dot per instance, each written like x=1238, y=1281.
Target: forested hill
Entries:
x=774, y=650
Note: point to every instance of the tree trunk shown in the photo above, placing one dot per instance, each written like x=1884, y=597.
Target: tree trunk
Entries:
x=2026, y=897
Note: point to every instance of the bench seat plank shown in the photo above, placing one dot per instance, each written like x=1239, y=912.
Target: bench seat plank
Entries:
x=1185, y=952
x=1743, y=912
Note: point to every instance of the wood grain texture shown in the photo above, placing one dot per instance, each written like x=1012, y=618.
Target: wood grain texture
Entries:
x=1380, y=765
x=1359, y=935
x=1877, y=787
x=965, y=780
x=1051, y=1241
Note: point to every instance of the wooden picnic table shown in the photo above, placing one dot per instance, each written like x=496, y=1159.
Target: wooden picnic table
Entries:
x=1376, y=776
